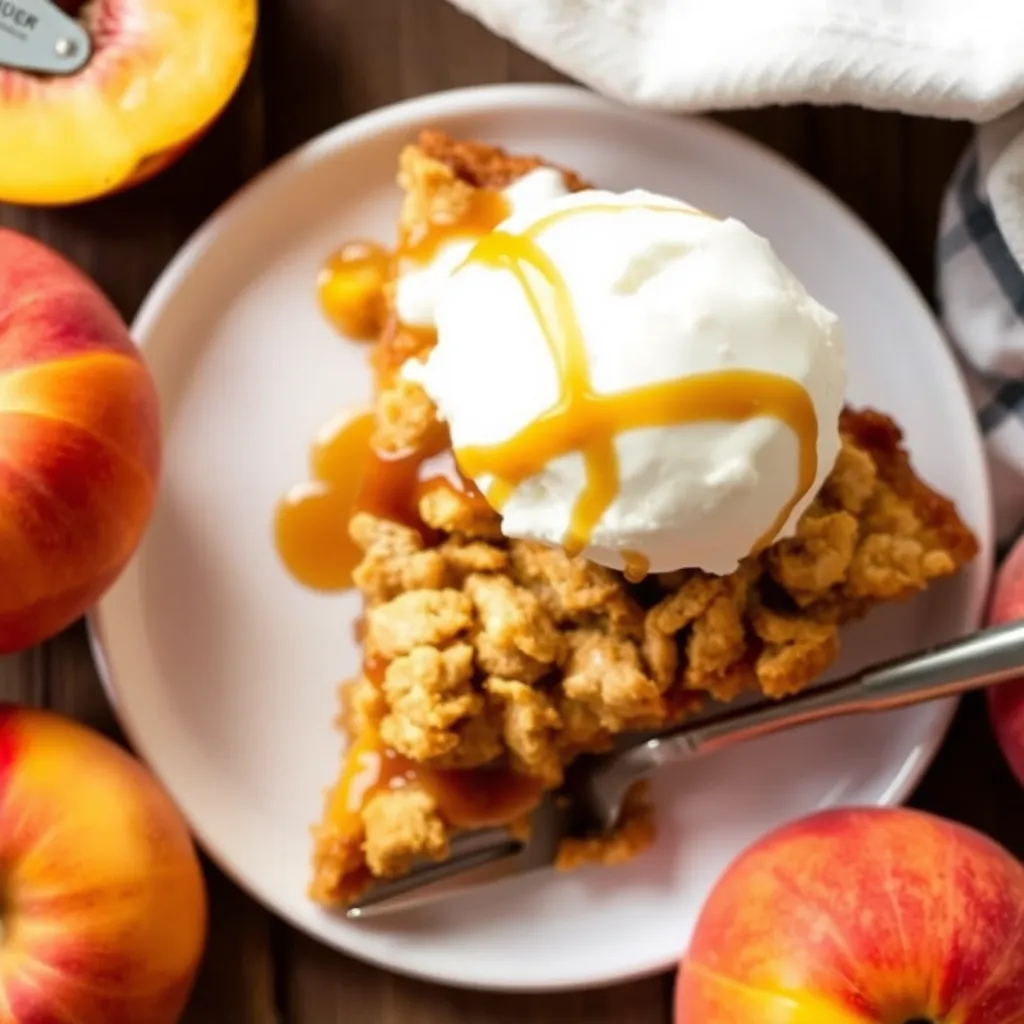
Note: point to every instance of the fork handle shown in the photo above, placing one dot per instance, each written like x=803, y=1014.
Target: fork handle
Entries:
x=987, y=657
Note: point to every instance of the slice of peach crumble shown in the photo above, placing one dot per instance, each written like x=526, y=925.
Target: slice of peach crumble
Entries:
x=490, y=664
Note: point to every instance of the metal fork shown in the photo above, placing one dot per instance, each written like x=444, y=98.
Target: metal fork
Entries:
x=592, y=800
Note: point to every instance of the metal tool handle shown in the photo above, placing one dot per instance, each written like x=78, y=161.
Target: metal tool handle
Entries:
x=990, y=656
x=37, y=36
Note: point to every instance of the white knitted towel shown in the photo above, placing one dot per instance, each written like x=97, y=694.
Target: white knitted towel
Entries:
x=951, y=58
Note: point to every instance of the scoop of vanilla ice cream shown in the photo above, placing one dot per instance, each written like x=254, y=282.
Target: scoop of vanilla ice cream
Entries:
x=658, y=296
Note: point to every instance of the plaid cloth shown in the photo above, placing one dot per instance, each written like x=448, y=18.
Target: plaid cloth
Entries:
x=980, y=257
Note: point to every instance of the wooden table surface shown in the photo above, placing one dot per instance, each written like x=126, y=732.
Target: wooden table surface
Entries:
x=319, y=62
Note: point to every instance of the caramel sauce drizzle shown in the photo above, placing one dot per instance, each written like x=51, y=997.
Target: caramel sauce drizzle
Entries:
x=485, y=209
x=311, y=521
x=581, y=420
x=370, y=767
x=637, y=566
x=349, y=474
x=350, y=289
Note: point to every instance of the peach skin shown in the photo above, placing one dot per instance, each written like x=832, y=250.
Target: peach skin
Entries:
x=160, y=73
x=104, y=908
x=80, y=443
x=861, y=916
x=1006, y=702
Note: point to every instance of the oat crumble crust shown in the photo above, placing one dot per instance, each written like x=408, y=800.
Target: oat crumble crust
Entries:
x=508, y=652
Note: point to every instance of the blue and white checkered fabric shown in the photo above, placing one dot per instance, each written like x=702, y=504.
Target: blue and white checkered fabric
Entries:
x=981, y=296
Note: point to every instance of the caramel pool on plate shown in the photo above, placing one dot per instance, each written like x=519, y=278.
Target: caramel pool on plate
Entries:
x=311, y=524
x=351, y=289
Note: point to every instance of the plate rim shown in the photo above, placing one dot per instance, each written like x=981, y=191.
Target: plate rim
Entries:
x=484, y=99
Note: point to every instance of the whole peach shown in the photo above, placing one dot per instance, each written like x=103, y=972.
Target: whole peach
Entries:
x=1006, y=702
x=80, y=443
x=861, y=916
x=104, y=908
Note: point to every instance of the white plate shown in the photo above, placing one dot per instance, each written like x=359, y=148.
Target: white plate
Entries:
x=224, y=671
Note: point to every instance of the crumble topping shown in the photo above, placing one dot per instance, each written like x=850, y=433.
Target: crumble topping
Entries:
x=417, y=618
x=428, y=692
x=402, y=826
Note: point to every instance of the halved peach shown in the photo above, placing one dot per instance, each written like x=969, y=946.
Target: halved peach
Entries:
x=160, y=72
